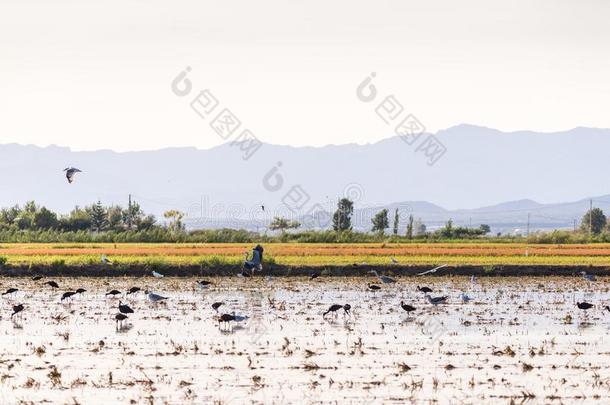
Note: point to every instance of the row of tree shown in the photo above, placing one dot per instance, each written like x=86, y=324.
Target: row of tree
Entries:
x=95, y=218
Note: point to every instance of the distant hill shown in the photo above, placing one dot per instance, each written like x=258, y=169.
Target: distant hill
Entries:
x=482, y=168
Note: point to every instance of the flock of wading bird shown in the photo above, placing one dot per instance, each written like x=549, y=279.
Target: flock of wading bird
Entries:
x=226, y=319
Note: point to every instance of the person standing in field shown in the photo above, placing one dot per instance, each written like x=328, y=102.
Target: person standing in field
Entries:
x=256, y=262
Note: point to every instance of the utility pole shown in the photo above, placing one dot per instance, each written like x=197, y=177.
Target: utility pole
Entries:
x=574, y=224
x=528, y=224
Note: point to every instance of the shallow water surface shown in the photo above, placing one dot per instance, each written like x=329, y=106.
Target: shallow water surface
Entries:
x=519, y=339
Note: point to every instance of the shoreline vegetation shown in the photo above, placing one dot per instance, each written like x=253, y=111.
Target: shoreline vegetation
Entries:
x=97, y=223
x=34, y=239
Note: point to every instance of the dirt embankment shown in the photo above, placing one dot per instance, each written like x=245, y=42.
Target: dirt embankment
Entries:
x=295, y=271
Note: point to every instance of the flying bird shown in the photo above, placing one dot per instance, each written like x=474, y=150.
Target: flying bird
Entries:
x=432, y=270
x=70, y=172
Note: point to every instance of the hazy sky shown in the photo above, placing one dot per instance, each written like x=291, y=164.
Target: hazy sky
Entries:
x=97, y=74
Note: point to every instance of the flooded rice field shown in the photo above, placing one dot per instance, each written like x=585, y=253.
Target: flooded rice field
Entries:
x=519, y=340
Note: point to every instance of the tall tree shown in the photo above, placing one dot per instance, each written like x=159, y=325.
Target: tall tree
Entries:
x=410, y=227
x=342, y=218
x=132, y=215
x=115, y=218
x=45, y=219
x=9, y=215
x=282, y=224
x=99, y=217
x=420, y=227
x=175, y=218
x=380, y=221
x=78, y=220
x=595, y=219
x=396, y=219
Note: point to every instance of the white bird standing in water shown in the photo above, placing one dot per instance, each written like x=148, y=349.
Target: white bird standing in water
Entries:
x=152, y=297
x=240, y=318
x=437, y=300
x=105, y=260
x=383, y=279
x=465, y=298
x=158, y=275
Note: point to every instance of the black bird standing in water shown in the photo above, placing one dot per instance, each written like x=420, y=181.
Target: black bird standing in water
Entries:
x=113, y=293
x=67, y=294
x=10, y=291
x=314, y=275
x=119, y=319
x=17, y=309
x=80, y=290
x=125, y=309
x=133, y=290
x=408, y=308
x=335, y=307
x=374, y=287
x=226, y=319
x=36, y=278
x=52, y=284
x=584, y=305
x=216, y=305
x=425, y=290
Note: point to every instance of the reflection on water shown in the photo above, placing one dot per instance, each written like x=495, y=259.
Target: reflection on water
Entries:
x=520, y=339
